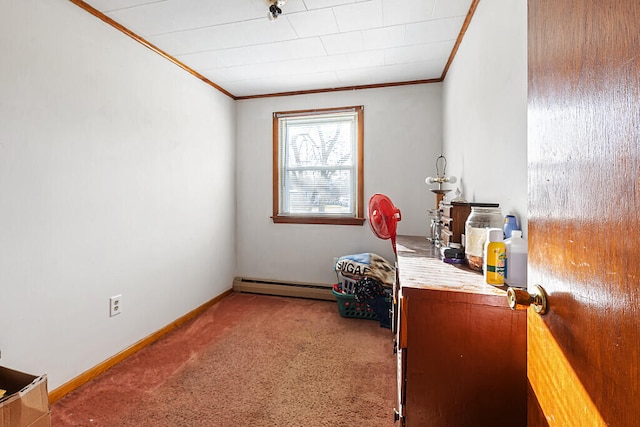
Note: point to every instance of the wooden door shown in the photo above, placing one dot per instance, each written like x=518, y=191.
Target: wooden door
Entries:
x=584, y=212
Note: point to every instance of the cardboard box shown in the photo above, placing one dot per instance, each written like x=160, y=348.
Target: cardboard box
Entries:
x=26, y=401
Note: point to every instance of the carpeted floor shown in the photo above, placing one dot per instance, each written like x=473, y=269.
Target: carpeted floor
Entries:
x=250, y=360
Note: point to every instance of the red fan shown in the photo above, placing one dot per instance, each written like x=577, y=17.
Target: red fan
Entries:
x=383, y=218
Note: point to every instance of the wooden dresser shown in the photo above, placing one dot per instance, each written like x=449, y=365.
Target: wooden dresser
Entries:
x=461, y=350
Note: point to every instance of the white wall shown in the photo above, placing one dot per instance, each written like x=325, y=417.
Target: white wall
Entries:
x=116, y=177
x=485, y=108
x=402, y=134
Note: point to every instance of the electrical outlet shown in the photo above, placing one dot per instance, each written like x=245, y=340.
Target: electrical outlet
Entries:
x=115, y=305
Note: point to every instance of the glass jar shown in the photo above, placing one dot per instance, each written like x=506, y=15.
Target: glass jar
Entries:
x=432, y=233
x=475, y=233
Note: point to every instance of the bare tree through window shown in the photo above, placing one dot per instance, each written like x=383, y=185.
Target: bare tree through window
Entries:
x=319, y=164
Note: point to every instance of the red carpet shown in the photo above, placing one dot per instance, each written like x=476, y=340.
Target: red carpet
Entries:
x=250, y=360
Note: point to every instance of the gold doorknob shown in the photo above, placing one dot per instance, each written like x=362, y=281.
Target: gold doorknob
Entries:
x=520, y=299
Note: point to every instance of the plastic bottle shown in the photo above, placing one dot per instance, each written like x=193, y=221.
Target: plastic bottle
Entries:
x=510, y=224
x=494, y=257
x=516, y=250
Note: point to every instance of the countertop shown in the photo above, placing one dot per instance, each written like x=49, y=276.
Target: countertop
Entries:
x=420, y=266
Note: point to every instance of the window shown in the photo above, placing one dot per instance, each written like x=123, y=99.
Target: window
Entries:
x=317, y=166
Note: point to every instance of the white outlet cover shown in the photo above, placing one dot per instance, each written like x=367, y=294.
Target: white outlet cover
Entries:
x=115, y=305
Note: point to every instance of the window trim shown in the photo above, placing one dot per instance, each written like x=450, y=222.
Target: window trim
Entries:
x=319, y=219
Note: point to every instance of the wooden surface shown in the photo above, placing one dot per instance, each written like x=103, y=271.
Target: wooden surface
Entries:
x=535, y=414
x=465, y=349
x=454, y=217
x=421, y=267
x=584, y=199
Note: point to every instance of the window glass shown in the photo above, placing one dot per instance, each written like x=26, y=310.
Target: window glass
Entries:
x=318, y=166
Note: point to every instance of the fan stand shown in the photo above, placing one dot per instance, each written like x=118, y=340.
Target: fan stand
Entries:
x=383, y=219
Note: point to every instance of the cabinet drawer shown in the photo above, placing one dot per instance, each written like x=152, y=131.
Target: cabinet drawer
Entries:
x=446, y=236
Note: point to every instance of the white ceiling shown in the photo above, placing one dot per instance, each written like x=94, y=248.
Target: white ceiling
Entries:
x=313, y=45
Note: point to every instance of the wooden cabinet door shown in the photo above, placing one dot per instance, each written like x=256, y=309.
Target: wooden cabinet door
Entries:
x=465, y=360
x=584, y=212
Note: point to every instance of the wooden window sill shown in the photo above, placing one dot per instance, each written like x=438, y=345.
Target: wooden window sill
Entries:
x=317, y=220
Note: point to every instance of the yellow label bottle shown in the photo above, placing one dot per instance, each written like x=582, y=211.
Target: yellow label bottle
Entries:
x=494, y=257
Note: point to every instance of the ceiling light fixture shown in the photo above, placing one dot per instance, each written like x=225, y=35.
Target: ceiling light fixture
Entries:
x=274, y=9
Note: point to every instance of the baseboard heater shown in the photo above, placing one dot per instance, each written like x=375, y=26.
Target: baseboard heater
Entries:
x=286, y=289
